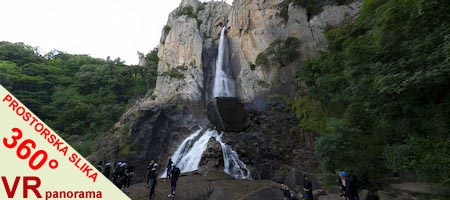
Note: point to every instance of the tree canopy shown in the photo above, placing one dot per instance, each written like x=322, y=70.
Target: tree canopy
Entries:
x=380, y=95
x=80, y=97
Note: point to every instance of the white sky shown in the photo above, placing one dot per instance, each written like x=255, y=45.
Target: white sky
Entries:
x=100, y=28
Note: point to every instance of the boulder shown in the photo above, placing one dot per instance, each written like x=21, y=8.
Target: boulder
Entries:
x=383, y=195
x=365, y=195
x=394, y=195
x=212, y=157
x=227, y=114
x=319, y=192
x=422, y=188
x=265, y=193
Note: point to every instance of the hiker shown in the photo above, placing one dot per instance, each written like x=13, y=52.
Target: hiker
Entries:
x=286, y=192
x=149, y=169
x=121, y=175
x=130, y=173
x=168, y=168
x=153, y=172
x=352, y=189
x=116, y=173
x=348, y=187
x=174, y=174
x=307, y=187
x=107, y=171
x=152, y=186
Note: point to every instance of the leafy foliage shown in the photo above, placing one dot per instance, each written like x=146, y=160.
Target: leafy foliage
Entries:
x=380, y=96
x=166, y=29
x=282, y=52
x=261, y=59
x=80, y=97
x=188, y=11
x=174, y=73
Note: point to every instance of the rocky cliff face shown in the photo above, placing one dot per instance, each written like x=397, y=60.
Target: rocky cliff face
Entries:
x=254, y=25
x=153, y=127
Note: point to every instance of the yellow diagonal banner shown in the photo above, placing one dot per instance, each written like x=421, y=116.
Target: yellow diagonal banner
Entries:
x=38, y=164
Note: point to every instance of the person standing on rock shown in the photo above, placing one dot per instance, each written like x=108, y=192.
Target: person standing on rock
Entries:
x=174, y=174
x=152, y=187
x=348, y=187
x=169, y=168
x=107, y=171
x=130, y=173
x=307, y=187
x=149, y=170
x=352, y=189
x=153, y=173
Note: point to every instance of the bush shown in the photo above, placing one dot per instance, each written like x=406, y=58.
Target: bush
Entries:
x=282, y=52
x=187, y=10
x=166, y=29
x=199, y=22
x=174, y=73
x=416, y=154
x=261, y=59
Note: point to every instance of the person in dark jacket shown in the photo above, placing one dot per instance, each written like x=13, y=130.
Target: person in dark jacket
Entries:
x=174, y=174
x=307, y=187
x=149, y=170
x=107, y=170
x=152, y=188
x=348, y=187
x=129, y=170
x=169, y=167
x=352, y=189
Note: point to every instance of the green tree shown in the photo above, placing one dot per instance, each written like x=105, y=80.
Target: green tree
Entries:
x=383, y=91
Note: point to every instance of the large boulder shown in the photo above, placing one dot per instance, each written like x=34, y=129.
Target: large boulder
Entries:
x=226, y=114
x=422, y=188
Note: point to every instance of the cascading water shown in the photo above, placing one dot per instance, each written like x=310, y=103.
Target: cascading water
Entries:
x=222, y=86
x=188, y=155
x=232, y=164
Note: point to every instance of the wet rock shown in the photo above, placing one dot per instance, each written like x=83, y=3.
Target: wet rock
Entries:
x=212, y=157
x=226, y=113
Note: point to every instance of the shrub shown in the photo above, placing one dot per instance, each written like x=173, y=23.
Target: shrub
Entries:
x=199, y=22
x=187, y=10
x=282, y=52
x=261, y=59
x=166, y=29
x=174, y=73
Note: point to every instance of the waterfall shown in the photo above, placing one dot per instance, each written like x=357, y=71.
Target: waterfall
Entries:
x=188, y=155
x=222, y=86
x=232, y=164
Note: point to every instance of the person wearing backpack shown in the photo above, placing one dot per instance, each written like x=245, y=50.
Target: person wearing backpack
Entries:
x=174, y=174
x=129, y=172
